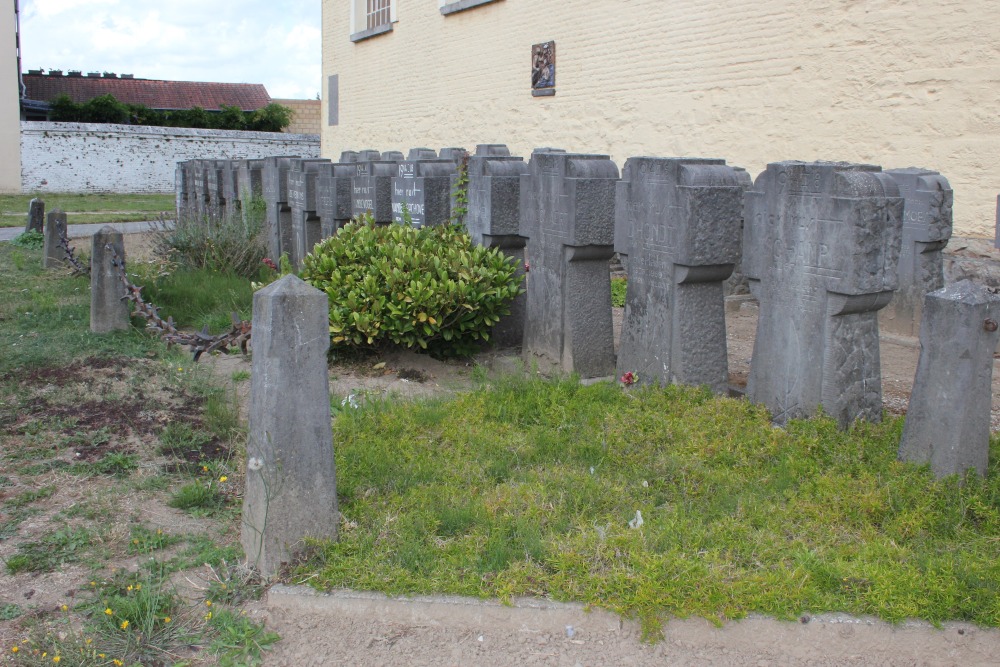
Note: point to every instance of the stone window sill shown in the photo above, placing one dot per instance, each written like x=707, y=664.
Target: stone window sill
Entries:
x=462, y=5
x=371, y=32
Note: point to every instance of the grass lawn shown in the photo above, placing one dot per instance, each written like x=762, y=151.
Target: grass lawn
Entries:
x=89, y=207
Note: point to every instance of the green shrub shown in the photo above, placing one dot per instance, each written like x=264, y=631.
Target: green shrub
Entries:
x=31, y=239
x=618, y=289
x=428, y=288
x=232, y=244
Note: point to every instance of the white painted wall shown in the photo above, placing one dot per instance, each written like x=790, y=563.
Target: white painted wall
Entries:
x=888, y=82
x=88, y=157
x=10, y=109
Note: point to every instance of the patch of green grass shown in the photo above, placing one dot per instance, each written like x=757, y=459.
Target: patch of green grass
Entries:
x=29, y=497
x=116, y=464
x=527, y=487
x=63, y=545
x=240, y=376
x=197, y=298
x=238, y=641
x=198, y=498
x=203, y=550
x=88, y=208
x=619, y=287
x=143, y=540
x=9, y=612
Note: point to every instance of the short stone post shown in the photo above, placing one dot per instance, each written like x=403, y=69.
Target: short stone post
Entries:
x=821, y=249
x=108, y=304
x=927, y=221
x=291, y=485
x=36, y=216
x=52, y=253
x=948, y=420
x=681, y=221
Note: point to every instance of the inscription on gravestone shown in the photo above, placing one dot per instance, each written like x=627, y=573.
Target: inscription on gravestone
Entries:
x=333, y=195
x=680, y=219
x=422, y=190
x=568, y=203
x=371, y=189
x=306, y=226
x=821, y=247
x=927, y=221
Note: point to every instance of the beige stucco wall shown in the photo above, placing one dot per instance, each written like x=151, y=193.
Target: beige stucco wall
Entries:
x=10, y=107
x=914, y=83
x=305, y=116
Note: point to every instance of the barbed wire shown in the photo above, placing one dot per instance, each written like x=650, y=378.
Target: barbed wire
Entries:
x=198, y=343
x=70, y=253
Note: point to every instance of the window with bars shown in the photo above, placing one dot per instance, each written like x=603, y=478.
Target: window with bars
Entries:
x=378, y=13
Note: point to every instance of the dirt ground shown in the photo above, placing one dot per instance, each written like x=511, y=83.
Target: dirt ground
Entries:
x=354, y=628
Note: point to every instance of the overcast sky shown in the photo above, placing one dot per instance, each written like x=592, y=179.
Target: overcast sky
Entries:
x=273, y=42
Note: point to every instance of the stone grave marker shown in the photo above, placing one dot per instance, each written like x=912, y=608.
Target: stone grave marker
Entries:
x=36, y=216
x=306, y=227
x=371, y=189
x=493, y=220
x=948, y=419
x=109, y=306
x=927, y=221
x=567, y=214
x=333, y=195
x=392, y=156
x=422, y=188
x=53, y=255
x=821, y=249
x=682, y=217
x=368, y=156
x=214, y=178
x=181, y=189
x=291, y=481
x=274, y=180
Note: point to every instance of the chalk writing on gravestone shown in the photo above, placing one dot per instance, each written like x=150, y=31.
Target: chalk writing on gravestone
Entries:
x=680, y=219
x=371, y=189
x=927, y=222
x=822, y=246
x=421, y=191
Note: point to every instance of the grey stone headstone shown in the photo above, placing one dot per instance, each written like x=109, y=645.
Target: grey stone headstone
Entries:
x=306, y=226
x=36, y=216
x=421, y=154
x=927, y=221
x=948, y=420
x=291, y=483
x=392, y=156
x=493, y=220
x=371, y=190
x=274, y=182
x=348, y=157
x=250, y=180
x=996, y=235
x=423, y=188
x=682, y=217
x=215, y=170
x=181, y=190
x=567, y=214
x=333, y=196
x=492, y=150
x=369, y=156
x=230, y=185
x=454, y=154
x=109, y=309
x=821, y=249
x=53, y=253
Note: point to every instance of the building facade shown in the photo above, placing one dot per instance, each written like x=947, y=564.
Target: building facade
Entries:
x=892, y=83
x=10, y=112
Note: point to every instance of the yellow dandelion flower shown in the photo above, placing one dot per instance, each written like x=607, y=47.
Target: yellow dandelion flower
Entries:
x=223, y=478
x=64, y=608
x=204, y=468
x=45, y=653
x=138, y=587
x=159, y=531
x=208, y=603
x=89, y=641
x=14, y=649
x=166, y=619
x=208, y=616
x=117, y=662
x=93, y=583
x=129, y=588
x=135, y=541
x=124, y=625
x=108, y=611
x=101, y=655
x=56, y=658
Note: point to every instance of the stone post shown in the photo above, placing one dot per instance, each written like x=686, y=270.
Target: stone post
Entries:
x=333, y=193
x=109, y=309
x=927, y=220
x=36, y=216
x=821, y=248
x=306, y=225
x=681, y=225
x=53, y=256
x=291, y=484
x=948, y=420
x=567, y=214
x=493, y=220
x=423, y=185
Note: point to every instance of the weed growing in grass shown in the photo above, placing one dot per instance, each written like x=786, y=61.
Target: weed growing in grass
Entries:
x=231, y=244
x=64, y=545
x=146, y=540
x=9, y=612
x=619, y=287
x=30, y=239
x=239, y=641
x=529, y=487
x=198, y=499
x=116, y=464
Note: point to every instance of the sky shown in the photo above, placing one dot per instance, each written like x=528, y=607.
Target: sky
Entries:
x=273, y=42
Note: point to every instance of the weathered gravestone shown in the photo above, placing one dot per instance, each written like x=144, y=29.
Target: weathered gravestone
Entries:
x=36, y=216
x=927, y=220
x=215, y=178
x=231, y=186
x=198, y=188
x=52, y=251
x=493, y=220
x=182, y=189
x=422, y=190
x=333, y=193
x=291, y=484
x=948, y=419
x=274, y=179
x=306, y=227
x=683, y=219
x=108, y=306
x=996, y=233
x=392, y=156
x=820, y=248
x=249, y=180
x=567, y=214
x=371, y=189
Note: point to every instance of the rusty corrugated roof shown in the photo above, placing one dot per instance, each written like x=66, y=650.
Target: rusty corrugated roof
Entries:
x=153, y=93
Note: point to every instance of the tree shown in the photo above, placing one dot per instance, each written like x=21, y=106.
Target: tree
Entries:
x=272, y=118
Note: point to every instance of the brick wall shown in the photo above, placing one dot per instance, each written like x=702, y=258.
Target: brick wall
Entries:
x=892, y=83
x=305, y=116
x=85, y=157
